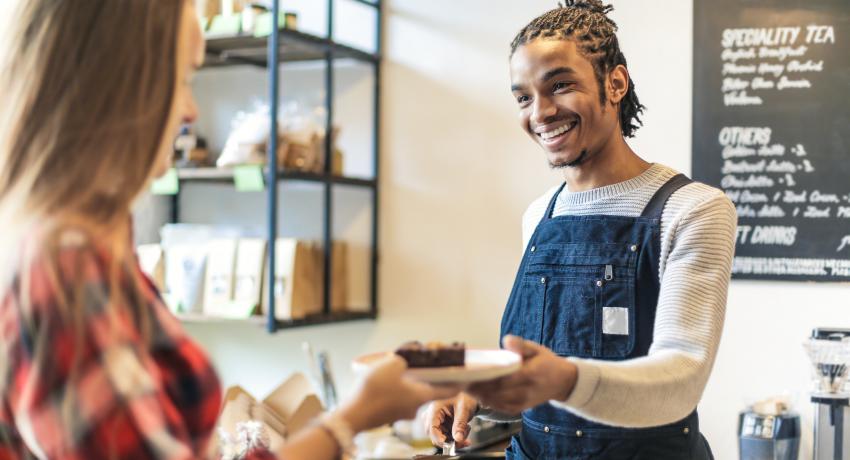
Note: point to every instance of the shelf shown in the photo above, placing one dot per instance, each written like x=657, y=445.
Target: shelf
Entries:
x=225, y=175
x=200, y=318
x=281, y=46
x=372, y=3
x=312, y=177
x=295, y=46
x=326, y=319
x=205, y=174
x=259, y=321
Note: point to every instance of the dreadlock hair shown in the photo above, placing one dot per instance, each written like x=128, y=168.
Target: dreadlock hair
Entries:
x=587, y=24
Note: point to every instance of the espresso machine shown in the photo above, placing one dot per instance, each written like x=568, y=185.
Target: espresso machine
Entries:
x=829, y=353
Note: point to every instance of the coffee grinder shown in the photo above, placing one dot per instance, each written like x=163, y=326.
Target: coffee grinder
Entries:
x=829, y=354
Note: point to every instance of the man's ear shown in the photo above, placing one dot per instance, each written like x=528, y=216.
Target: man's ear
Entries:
x=618, y=84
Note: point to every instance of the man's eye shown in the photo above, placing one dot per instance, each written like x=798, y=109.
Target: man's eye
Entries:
x=522, y=99
x=560, y=86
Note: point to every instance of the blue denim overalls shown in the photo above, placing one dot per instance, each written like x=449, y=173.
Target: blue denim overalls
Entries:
x=588, y=287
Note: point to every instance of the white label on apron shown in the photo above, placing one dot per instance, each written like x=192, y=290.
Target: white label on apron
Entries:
x=615, y=321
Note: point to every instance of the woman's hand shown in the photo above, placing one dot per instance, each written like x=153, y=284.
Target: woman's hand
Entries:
x=386, y=396
x=544, y=376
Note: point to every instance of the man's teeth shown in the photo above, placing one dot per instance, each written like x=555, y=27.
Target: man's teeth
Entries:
x=556, y=132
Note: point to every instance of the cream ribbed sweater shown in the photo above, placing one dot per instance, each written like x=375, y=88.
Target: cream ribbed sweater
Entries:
x=698, y=241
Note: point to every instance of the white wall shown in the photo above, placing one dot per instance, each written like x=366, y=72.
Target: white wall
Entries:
x=457, y=174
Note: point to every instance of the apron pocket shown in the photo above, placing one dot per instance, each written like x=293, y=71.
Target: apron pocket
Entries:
x=588, y=305
x=569, y=317
x=616, y=316
x=524, y=313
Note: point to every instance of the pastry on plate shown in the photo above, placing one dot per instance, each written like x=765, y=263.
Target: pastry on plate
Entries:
x=432, y=354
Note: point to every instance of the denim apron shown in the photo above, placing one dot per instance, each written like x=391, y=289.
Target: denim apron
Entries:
x=588, y=287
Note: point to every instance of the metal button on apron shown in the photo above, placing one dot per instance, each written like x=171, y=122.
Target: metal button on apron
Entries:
x=533, y=248
x=543, y=280
x=633, y=248
x=599, y=283
x=579, y=433
x=686, y=430
x=546, y=429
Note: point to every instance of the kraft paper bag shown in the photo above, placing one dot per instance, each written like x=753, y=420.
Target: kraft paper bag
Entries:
x=295, y=402
x=297, y=280
x=240, y=407
x=339, y=277
x=288, y=409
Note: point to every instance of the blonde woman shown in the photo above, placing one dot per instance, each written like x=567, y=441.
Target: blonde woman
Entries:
x=92, y=365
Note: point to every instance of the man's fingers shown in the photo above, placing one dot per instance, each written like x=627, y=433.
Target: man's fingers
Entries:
x=524, y=348
x=438, y=438
x=464, y=411
x=435, y=425
x=440, y=421
x=435, y=414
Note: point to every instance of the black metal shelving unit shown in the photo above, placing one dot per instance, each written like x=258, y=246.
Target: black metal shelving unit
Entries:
x=269, y=52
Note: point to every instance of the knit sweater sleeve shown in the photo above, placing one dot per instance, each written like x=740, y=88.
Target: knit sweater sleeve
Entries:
x=666, y=385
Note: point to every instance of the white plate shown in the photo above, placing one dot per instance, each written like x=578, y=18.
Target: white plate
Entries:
x=481, y=365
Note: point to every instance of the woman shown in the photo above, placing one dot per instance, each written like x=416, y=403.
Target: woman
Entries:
x=92, y=92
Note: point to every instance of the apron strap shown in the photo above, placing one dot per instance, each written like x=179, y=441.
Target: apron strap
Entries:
x=551, y=208
x=656, y=204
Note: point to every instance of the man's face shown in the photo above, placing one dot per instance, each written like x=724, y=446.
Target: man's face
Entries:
x=558, y=99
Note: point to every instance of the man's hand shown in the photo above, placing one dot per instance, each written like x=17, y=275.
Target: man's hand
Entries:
x=451, y=417
x=544, y=376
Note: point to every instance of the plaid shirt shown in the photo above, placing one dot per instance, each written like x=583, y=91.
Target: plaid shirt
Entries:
x=126, y=398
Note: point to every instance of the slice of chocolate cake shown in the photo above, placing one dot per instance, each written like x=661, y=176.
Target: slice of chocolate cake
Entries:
x=432, y=354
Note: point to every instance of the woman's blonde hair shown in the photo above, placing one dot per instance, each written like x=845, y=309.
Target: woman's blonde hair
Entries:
x=86, y=97
x=86, y=89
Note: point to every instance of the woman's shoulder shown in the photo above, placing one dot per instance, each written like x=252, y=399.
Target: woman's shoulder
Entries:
x=59, y=264
x=68, y=274
x=55, y=285
x=73, y=279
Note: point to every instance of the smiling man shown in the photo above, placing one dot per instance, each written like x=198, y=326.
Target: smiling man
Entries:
x=619, y=300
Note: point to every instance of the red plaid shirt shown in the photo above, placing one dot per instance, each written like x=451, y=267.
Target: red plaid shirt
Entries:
x=126, y=399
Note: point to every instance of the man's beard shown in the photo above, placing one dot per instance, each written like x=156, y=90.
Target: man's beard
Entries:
x=571, y=164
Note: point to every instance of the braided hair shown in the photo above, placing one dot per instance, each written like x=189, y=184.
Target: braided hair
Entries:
x=586, y=22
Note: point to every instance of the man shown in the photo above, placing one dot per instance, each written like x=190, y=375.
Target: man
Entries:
x=618, y=304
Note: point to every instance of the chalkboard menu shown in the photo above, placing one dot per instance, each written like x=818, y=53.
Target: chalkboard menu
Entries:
x=772, y=129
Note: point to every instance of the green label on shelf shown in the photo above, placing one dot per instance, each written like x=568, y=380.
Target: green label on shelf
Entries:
x=263, y=24
x=168, y=184
x=225, y=25
x=248, y=178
